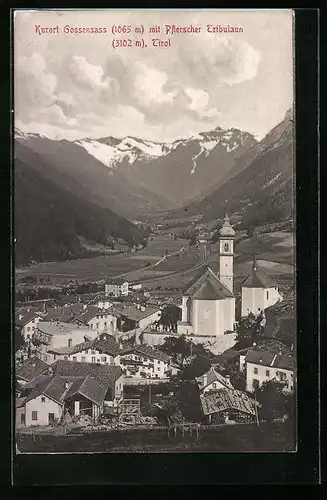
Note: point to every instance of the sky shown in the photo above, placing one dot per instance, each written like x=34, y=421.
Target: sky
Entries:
x=74, y=85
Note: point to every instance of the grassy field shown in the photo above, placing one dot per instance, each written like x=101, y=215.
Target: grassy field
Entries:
x=237, y=438
x=98, y=268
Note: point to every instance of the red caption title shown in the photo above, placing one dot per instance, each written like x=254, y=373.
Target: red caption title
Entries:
x=132, y=36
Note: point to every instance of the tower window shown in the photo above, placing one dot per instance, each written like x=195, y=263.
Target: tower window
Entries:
x=267, y=295
x=226, y=247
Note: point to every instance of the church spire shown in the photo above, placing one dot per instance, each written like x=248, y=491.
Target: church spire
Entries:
x=254, y=264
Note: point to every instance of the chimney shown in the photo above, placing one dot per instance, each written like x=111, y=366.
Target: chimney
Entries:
x=66, y=385
x=20, y=317
x=228, y=378
x=254, y=264
x=50, y=370
x=142, y=308
x=120, y=345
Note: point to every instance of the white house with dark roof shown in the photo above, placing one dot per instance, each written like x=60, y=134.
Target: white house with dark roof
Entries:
x=208, y=303
x=144, y=362
x=44, y=400
x=103, y=351
x=27, y=323
x=100, y=320
x=212, y=380
x=262, y=366
x=259, y=291
x=116, y=287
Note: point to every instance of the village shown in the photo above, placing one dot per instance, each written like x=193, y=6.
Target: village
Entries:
x=124, y=359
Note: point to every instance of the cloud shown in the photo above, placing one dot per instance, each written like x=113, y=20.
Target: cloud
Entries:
x=199, y=101
x=149, y=86
x=89, y=74
x=225, y=60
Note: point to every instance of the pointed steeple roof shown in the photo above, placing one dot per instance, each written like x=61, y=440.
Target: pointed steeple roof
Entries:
x=226, y=229
x=258, y=278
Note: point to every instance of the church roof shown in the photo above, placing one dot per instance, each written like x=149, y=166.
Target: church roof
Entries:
x=258, y=279
x=226, y=229
x=206, y=286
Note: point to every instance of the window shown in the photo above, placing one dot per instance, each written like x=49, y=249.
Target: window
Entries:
x=282, y=376
x=33, y=327
x=104, y=359
x=267, y=373
x=42, y=399
x=65, y=358
x=214, y=385
x=70, y=342
x=158, y=368
x=83, y=359
x=97, y=325
x=98, y=360
x=28, y=336
x=255, y=370
x=92, y=352
x=93, y=359
x=292, y=375
x=105, y=323
x=28, y=328
x=34, y=415
x=267, y=295
x=226, y=248
x=74, y=358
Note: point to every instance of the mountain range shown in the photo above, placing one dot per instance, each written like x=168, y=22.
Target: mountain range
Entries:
x=206, y=174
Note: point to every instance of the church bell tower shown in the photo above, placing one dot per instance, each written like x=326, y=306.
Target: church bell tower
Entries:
x=226, y=254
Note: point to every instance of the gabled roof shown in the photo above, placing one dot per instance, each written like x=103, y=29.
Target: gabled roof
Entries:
x=90, y=313
x=105, y=374
x=258, y=279
x=227, y=399
x=146, y=351
x=116, y=281
x=266, y=358
x=108, y=346
x=29, y=316
x=55, y=388
x=131, y=311
x=65, y=313
x=213, y=376
x=206, y=284
x=88, y=387
x=31, y=368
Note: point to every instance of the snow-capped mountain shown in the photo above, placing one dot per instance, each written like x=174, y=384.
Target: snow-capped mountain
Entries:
x=195, y=163
x=134, y=176
x=260, y=184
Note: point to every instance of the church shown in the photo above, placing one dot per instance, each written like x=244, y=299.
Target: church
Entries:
x=208, y=303
x=259, y=291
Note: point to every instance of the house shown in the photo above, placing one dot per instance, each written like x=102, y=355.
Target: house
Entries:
x=262, y=366
x=105, y=374
x=46, y=399
x=228, y=406
x=27, y=323
x=64, y=314
x=29, y=369
x=116, y=287
x=208, y=303
x=104, y=302
x=103, y=351
x=259, y=291
x=134, y=316
x=52, y=338
x=142, y=361
x=212, y=381
x=99, y=320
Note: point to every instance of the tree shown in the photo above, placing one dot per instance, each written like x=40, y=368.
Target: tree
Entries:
x=273, y=400
x=248, y=331
x=198, y=367
x=193, y=238
x=19, y=339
